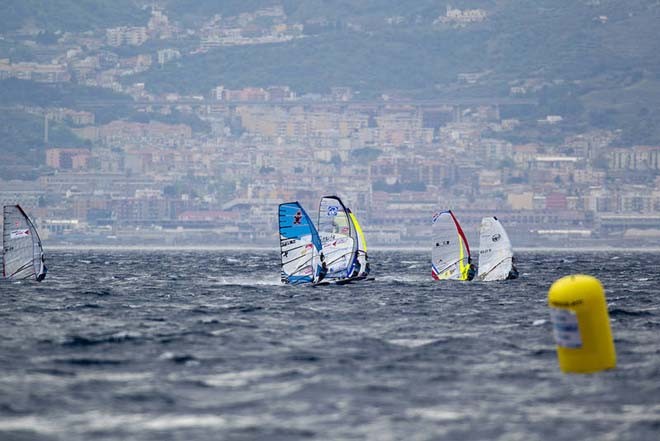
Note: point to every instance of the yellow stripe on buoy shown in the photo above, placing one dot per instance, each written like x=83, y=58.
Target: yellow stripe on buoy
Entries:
x=581, y=324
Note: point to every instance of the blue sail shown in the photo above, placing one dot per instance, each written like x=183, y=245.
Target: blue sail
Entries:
x=300, y=245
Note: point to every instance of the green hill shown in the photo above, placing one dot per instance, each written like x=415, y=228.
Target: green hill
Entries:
x=402, y=60
x=593, y=62
x=13, y=91
x=70, y=15
x=22, y=143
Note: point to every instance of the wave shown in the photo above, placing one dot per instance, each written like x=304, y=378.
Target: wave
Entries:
x=621, y=312
x=90, y=361
x=412, y=342
x=118, y=337
x=245, y=281
x=178, y=358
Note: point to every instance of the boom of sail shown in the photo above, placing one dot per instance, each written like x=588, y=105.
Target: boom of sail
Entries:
x=300, y=245
x=22, y=253
x=450, y=255
x=495, y=253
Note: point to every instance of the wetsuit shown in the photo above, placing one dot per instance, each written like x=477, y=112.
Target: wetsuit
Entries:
x=513, y=274
x=323, y=271
x=42, y=275
x=471, y=272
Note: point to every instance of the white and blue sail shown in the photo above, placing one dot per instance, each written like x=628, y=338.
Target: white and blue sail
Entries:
x=336, y=232
x=22, y=252
x=300, y=245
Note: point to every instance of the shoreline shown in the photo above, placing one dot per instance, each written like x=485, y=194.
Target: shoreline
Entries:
x=378, y=249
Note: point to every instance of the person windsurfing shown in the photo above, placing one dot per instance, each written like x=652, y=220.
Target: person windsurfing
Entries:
x=471, y=270
x=356, y=266
x=324, y=269
x=42, y=274
x=513, y=272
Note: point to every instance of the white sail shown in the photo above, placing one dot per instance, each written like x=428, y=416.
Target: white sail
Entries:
x=495, y=254
x=338, y=245
x=450, y=255
x=22, y=254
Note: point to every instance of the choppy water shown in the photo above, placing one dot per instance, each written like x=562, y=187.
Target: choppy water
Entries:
x=209, y=346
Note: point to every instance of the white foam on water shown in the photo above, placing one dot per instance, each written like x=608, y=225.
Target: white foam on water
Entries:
x=411, y=342
x=219, y=332
x=47, y=378
x=123, y=335
x=404, y=279
x=630, y=413
x=121, y=377
x=29, y=423
x=234, y=379
x=246, y=281
x=172, y=422
x=439, y=414
x=95, y=421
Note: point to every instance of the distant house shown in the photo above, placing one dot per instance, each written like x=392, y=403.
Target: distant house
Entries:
x=67, y=158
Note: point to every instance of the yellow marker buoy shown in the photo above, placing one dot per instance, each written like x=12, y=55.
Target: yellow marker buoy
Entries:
x=581, y=324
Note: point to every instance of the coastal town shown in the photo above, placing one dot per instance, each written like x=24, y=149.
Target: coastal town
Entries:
x=394, y=160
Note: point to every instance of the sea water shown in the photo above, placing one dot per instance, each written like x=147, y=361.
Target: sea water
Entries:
x=208, y=345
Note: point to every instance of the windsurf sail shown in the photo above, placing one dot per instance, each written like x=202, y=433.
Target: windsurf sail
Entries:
x=451, y=253
x=361, y=254
x=338, y=245
x=22, y=253
x=495, y=254
x=300, y=245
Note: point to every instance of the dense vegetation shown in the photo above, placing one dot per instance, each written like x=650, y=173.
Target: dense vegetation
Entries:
x=403, y=61
x=13, y=91
x=21, y=132
x=70, y=15
x=22, y=144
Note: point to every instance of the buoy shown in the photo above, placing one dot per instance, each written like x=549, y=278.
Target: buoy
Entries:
x=581, y=324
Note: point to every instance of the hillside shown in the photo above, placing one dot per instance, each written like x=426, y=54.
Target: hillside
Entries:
x=592, y=61
x=403, y=61
x=70, y=15
x=22, y=143
x=548, y=39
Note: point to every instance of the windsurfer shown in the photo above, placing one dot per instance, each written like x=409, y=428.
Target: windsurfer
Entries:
x=324, y=269
x=471, y=270
x=513, y=273
x=357, y=266
x=42, y=274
